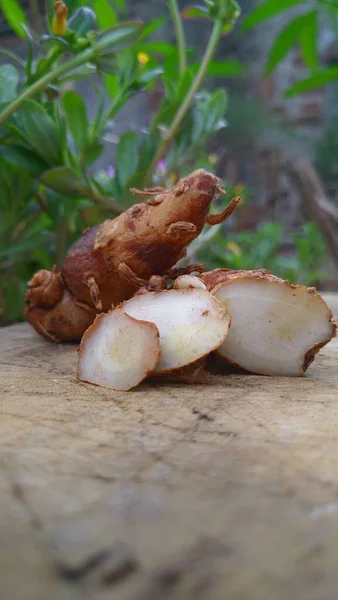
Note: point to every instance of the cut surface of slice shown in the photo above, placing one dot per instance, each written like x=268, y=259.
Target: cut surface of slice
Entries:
x=117, y=351
x=276, y=328
x=191, y=323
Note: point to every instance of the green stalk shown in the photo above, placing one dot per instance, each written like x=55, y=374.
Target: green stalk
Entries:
x=40, y=85
x=104, y=202
x=181, y=46
x=183, y=109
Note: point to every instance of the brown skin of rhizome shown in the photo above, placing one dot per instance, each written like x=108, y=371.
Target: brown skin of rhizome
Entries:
x=111, y=261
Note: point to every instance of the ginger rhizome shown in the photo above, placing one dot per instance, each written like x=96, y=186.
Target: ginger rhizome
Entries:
x=111, y=261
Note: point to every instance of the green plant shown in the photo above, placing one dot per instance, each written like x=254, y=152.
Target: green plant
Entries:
x=302, y=30
x=48, y=143
x=264, y=249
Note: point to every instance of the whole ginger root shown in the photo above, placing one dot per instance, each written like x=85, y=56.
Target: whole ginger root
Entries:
x=111, y=261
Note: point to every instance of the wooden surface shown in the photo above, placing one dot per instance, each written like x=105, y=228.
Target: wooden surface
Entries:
x=169, y=492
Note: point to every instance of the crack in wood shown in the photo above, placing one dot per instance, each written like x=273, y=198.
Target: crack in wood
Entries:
x=190, y=575
x=106, y=567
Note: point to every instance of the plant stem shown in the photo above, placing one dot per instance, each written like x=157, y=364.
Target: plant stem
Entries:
x=183, y=109
x=104, y=202
x=41, y=84
x=181, y=46
x=41, y=201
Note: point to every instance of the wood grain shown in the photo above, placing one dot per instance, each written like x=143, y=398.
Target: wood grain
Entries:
x=170, y=492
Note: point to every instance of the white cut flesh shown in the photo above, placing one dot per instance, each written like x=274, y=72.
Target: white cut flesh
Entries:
x=273, y=325
x=117, y=351
x=188, y=281
x=191, y=323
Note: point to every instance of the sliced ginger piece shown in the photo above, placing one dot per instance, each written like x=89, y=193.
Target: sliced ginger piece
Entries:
x=191, y=323
x=276, y=328
x=117, y=351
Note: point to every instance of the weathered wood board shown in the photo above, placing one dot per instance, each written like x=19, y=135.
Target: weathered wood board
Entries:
x=169, y=492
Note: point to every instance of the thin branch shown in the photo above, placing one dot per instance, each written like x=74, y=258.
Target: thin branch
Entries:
x=41, y=84
x=181, y=45
x=183, y=109
x=315, y=203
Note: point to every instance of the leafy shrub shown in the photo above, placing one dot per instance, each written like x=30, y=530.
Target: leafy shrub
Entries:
x=51, y=188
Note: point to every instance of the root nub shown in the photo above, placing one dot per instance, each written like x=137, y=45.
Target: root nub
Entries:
x=94, y=292
x=215, y=219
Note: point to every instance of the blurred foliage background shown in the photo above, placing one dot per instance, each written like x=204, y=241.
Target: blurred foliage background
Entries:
x=73, y=75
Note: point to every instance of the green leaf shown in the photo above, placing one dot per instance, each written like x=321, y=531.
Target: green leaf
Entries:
x=330, y=5
x=29, y=35
x=184, y=85
x=215, y=109
x=64, y=180
x=152, y=26
x=147, y=152
x=195, y=12
x=107, y=63
x=116, y=104
x=13, y=57
x=266, y=10
x=30, y=53
x=14, y=15
x=319, y=79
x=284, y=41
x=22, y=157
x=227, y=68
x=112, y=84
x=18, y=133
x=127, y=158
x=106, y=16
x=9, y=79
x=129, y=67
x=157, y=48
x=170, y=90
x=83, y=20
x=92, y=154
x=99, y=120
x=76, y=113
x=308, y=40
x=148, y=75
x=49, y=42
x=119, y=36
x=16, y=186
x=171, y=68
x=81, y=73
x=40, y=130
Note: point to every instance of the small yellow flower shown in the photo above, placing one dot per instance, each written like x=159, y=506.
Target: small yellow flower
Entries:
x=60, y=18
x=234, y=248
x=143, y=58
x=213, y=158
